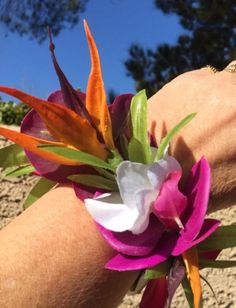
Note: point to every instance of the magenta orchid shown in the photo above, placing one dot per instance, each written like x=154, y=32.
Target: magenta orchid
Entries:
x=169, y=223
x=130, y=208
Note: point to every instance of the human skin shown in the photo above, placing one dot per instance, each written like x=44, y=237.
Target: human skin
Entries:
x=52, y=254
x=211, y=133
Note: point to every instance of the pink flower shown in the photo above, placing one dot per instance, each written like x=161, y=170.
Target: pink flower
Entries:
x=177, y=223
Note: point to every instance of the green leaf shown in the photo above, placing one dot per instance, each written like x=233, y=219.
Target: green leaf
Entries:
x=166, y=140
x=24, y=170
x=188, y=291
x=203, y=263
x=12, y=155
x=135, y=151
x=224, y=237
x=76, y=155
x=138, y=112
x=158, y=271
x=94, y=181
x=124, y=146
x=41, y=187
x=211, y=288
x=106, y=174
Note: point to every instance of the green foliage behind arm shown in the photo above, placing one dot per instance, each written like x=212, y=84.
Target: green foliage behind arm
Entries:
x=12, y=113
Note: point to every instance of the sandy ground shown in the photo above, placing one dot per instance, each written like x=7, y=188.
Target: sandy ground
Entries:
x=14, y=190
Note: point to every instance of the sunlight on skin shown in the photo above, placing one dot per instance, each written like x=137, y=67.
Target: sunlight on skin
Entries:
x=212, y=132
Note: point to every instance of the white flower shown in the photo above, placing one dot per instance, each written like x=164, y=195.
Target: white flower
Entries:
x=139, y=186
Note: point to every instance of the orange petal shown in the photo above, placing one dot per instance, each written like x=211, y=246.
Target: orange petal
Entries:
x=63, y=123
x=30, y=143
x=95, y=95
x=190, y=258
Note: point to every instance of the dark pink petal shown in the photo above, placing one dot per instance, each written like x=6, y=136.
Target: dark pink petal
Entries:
x=83, y=192
x=197, y=190
x=135, y=245
x=119, y=111
x=183, y=244
x=152, y=140
x=161, y=253
x=155, y=294
x=171, y=203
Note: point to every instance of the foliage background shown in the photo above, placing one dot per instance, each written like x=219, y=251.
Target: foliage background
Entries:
x=12, y=113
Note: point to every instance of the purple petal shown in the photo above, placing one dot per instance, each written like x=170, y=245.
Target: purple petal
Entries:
x=51, y=170
x=57, y=97
x=176, y=275
x=161, y=253
x=171, y=203
x=119, y=111
x=135, y=245
x=70, y=96
x=197, y=190
x=33, y=125
x=183, y=244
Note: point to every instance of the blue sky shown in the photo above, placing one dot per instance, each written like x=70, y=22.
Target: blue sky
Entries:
x=26, y=65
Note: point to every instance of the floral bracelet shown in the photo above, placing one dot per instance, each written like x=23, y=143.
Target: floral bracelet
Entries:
x=130, y=185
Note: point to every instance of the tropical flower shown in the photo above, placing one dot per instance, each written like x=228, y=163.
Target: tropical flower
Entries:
x=150, y=219
x=68, y=119
x=156, y=220
x=130, y=208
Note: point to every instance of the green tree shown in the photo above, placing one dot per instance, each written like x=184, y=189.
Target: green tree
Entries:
x=209, y=39
x=32, y=17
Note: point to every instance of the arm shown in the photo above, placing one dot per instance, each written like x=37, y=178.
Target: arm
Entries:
x=211, y=133
x=53, y=256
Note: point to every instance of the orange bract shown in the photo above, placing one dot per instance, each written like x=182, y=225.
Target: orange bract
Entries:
x=31, y=143
x=190, y=258
x=64, y=124
x=96, y=103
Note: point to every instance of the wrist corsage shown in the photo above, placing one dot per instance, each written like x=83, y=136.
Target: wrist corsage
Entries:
x=129, y=184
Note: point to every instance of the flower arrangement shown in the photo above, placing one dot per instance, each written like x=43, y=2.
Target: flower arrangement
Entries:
x=129, y=184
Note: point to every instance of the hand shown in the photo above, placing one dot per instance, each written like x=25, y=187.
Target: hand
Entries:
x=211, y=133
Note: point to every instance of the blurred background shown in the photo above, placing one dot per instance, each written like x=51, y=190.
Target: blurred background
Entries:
x=142, y=44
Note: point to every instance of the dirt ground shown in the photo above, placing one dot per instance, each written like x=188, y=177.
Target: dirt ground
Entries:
x=14, y=190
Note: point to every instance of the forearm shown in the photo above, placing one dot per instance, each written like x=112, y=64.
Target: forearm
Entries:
x=211, y=133
x=53, y=256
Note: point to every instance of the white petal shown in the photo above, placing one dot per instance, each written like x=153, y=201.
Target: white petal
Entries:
x=158, y=172
x=144, y=202
x=131, y=177
x=171, y=164
x=157, y=175
x=111, y=213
